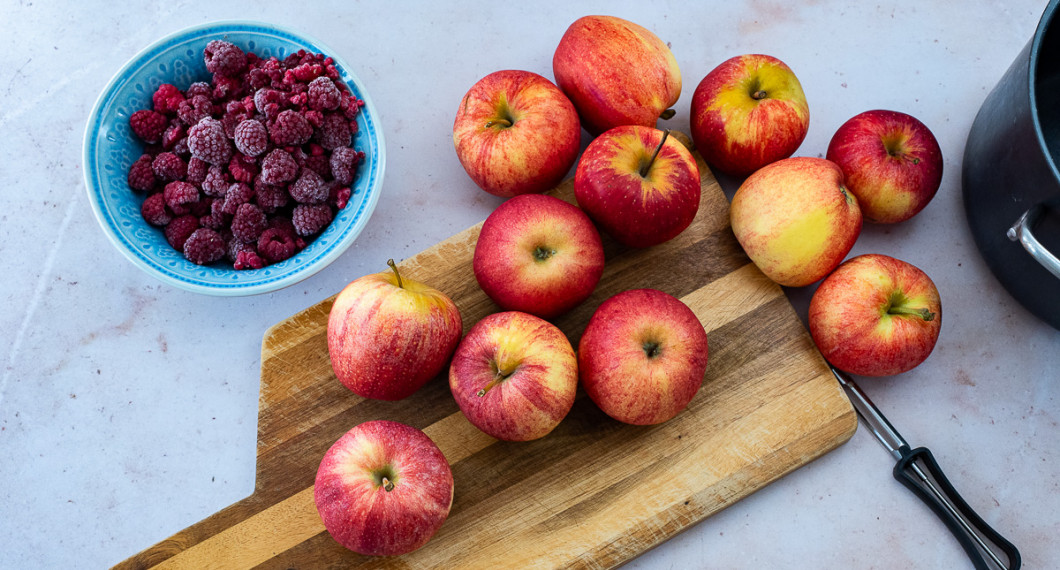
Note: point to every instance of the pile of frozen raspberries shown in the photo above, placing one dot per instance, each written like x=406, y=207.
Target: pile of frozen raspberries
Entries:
x=251, y=166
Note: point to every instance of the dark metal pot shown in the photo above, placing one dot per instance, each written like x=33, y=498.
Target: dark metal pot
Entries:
x=1010, y=177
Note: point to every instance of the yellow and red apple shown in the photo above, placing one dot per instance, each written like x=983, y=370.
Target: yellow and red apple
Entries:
x=796, y=219
x=892, y=163
x=638, y=184
x=876, y=316
x=516, y=133
x=748, y=112
x=538, y=254
x=514, y=376
x=642, y=356
x=388, y=334
x=616, y=73
x=383, y=489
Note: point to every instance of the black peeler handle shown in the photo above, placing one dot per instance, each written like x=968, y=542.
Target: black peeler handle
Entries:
x=918, y=470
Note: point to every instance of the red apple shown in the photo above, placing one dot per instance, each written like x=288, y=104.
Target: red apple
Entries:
x=876, y=316
x=388, y=335
x=538, y=254
x=514, y=376
x=642, y=356
x=638, y=185
x=748, y=112
x=795, y=219
x=616, y=73
x=383, y=489
x=892, y=163
x=516, y=133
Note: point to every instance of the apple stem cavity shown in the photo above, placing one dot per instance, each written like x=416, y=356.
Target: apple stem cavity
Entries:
x=922, y=312
x=652, y=349
x=647, y=166
x=393, y=266
x=541, y=253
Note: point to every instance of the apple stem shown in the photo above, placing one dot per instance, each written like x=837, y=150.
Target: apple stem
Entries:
x=922, y=313
x=499, y=376
x=393, y=266
x=644, y=169
x=759, y=95
x=388, y=485
x=501, y=122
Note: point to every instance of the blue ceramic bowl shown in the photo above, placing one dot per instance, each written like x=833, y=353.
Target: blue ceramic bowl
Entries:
x=110, y=148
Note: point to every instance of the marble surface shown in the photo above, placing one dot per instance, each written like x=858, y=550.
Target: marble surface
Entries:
x=128, y=408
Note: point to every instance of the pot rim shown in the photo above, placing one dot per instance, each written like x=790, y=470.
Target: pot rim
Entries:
x=1036, y=45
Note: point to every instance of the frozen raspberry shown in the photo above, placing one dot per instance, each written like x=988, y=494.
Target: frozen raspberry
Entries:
x=197, y=170
x=318, y=163
x=225, y=88
x=169, y=166
x=276, y=245
x=339, y=195
x=344, y=164
x=282, y=223
x=290, y=128
x=278, y=167
x=225, y=59
x=199, y=88
x=304, y=72
x=270, y=197
x=323, y=95
x=166, y=99
x=266, y=99
x=309, y=188
x=242, y=168
x=350, y=106
x=216, y=219
x=174, y=132
x=334, y=132
x=148, y=125
x=204, y=246
x=195, y=109
x=315, y=118
x=251, y=138
x=309, y=219
x=141, y=175
x=207, y=141
x=201, y=207
x=179, y=229
x=180, y=196
x=216, y=182
x=154, y=210
x=233, y=246
x=248, y=259
x=229, y=122
x=180, y=148
x=248, y=223
x=238, y=194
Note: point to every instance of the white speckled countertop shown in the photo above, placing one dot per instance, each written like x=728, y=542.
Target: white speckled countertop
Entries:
x=128, y=408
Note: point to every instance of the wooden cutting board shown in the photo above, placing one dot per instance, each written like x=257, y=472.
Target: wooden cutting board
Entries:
x=592, y=494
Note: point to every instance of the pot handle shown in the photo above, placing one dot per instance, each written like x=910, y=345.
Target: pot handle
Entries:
x=1021, y=232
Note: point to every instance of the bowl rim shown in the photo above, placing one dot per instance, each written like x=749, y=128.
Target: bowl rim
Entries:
x=293, y=274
